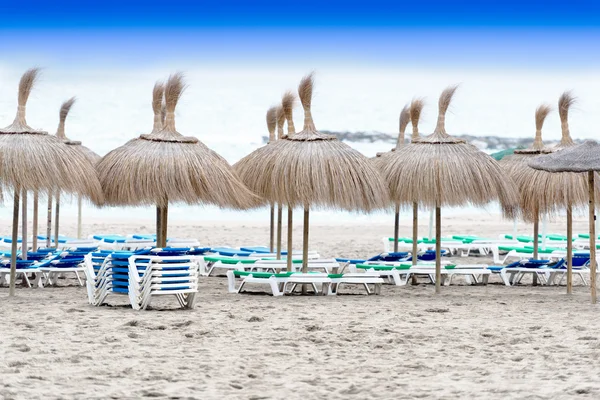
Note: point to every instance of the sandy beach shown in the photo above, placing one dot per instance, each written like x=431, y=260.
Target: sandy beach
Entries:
x=492, y=342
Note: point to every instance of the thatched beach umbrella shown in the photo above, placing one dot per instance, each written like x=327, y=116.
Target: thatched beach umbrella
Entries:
x=416, y=106
x=409, y=114
x=287, y=106
x=32, y=160
x=440, y=170
x=254, y=173
x=76, y=145
x=166, y=167
x=545, y=193
x=272, y=126
x=403, y=122
x=516, y=167
x=280, y=123
x=311, y=169
x=581, y=159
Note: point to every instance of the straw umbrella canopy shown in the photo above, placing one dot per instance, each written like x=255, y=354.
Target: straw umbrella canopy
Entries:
x=32, y=160
x=166, y=167
x=440, y=170
x=76, y=145
x=581, y=159
x=315, y=170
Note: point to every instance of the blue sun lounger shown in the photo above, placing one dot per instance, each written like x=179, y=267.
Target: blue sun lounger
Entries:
x=24, y=269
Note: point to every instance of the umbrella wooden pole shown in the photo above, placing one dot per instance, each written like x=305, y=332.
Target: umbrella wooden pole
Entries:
x=79, y=206
x=438, y=249
x=13, y=245
x=164, y=218
x=415, y=235
x=35, y=220
x=49, y=221
x=272, y=229
x=279, y=229
x=536, y=229
x=396, y=227
x=56, y=219
x=290, y=236
x=592, y=204
x=305, y=242
x=158, y=226
x=514, y=229
x=24, y=241
x=569, y=249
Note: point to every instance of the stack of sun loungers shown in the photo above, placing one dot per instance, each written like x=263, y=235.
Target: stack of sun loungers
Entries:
x=142, y=276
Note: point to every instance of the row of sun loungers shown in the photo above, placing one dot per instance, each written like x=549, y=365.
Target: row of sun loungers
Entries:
x=107, y=242
x=142, y=272
x=502, y=249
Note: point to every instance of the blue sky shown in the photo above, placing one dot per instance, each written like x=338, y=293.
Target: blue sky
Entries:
x=517, y=34
x=310, y=13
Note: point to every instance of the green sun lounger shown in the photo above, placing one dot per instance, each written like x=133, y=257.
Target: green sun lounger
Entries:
x=230, y=260
x=265, y=275
x=585, y=236
x=377, y=267
x=547, y=250
x=283, y=260
x=405, y=240
x=401, y=267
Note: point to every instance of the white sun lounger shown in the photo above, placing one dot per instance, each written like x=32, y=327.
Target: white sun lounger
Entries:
x=23, y=273
x=363, y=279
x=210, y=264
x=514, y=275
x=277, y=283
x=582, y=272
x=401, y=276
x=280, y=283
